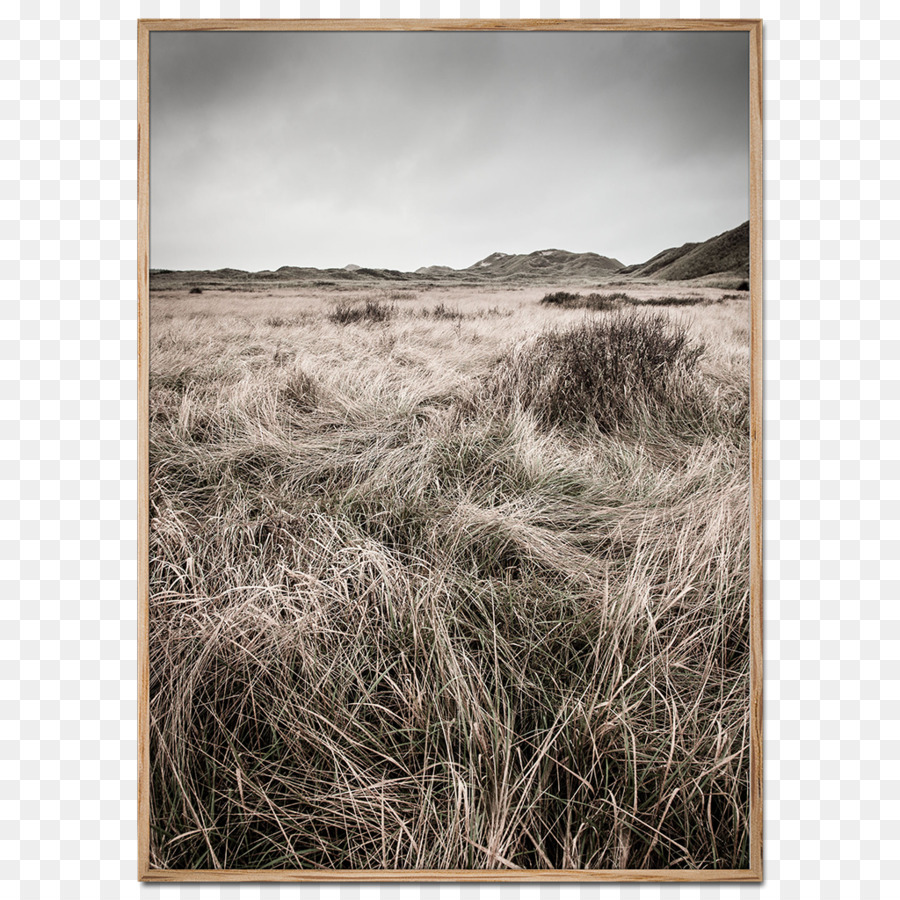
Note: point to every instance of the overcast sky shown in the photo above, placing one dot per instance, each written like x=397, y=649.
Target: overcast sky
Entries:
x=400, y=150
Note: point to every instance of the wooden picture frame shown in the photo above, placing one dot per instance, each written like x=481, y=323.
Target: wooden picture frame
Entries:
x=754, y=871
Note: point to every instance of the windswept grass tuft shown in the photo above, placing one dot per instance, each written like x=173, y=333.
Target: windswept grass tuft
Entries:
x=442, y=311
x=301, y=389
x=278, y=321
x=493, y=312
x=348, y=313
x=607, y=372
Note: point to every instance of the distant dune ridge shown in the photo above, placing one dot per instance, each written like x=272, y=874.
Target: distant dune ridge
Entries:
x=434, y=270
x=560, y=262
x=725, y=255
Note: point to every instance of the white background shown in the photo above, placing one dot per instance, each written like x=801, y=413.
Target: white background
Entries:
x=68, y=438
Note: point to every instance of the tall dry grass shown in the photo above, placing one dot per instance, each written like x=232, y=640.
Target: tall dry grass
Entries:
x=411, y=609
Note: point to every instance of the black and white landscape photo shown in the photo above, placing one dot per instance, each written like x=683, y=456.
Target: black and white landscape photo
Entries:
x=449, y=451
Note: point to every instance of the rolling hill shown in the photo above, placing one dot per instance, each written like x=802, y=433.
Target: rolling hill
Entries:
x=558, y=263
x=726, y=253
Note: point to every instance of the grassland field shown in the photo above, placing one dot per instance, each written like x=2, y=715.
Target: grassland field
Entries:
x=458, y=582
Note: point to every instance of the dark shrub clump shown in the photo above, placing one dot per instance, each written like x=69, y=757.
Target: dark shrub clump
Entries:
x=744, y=286
x=676, y=301
x=196, y=290
x=612, y=372
x=346, y=313
x=595, y=302
x=560, y=298
x=607, y=302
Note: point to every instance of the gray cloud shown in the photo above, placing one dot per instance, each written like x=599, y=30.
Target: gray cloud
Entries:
x=409, y=149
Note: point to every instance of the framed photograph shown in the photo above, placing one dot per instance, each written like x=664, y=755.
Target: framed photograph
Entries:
x=450, y=429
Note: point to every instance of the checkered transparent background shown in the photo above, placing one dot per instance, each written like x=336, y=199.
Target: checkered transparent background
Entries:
x=68, y=433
